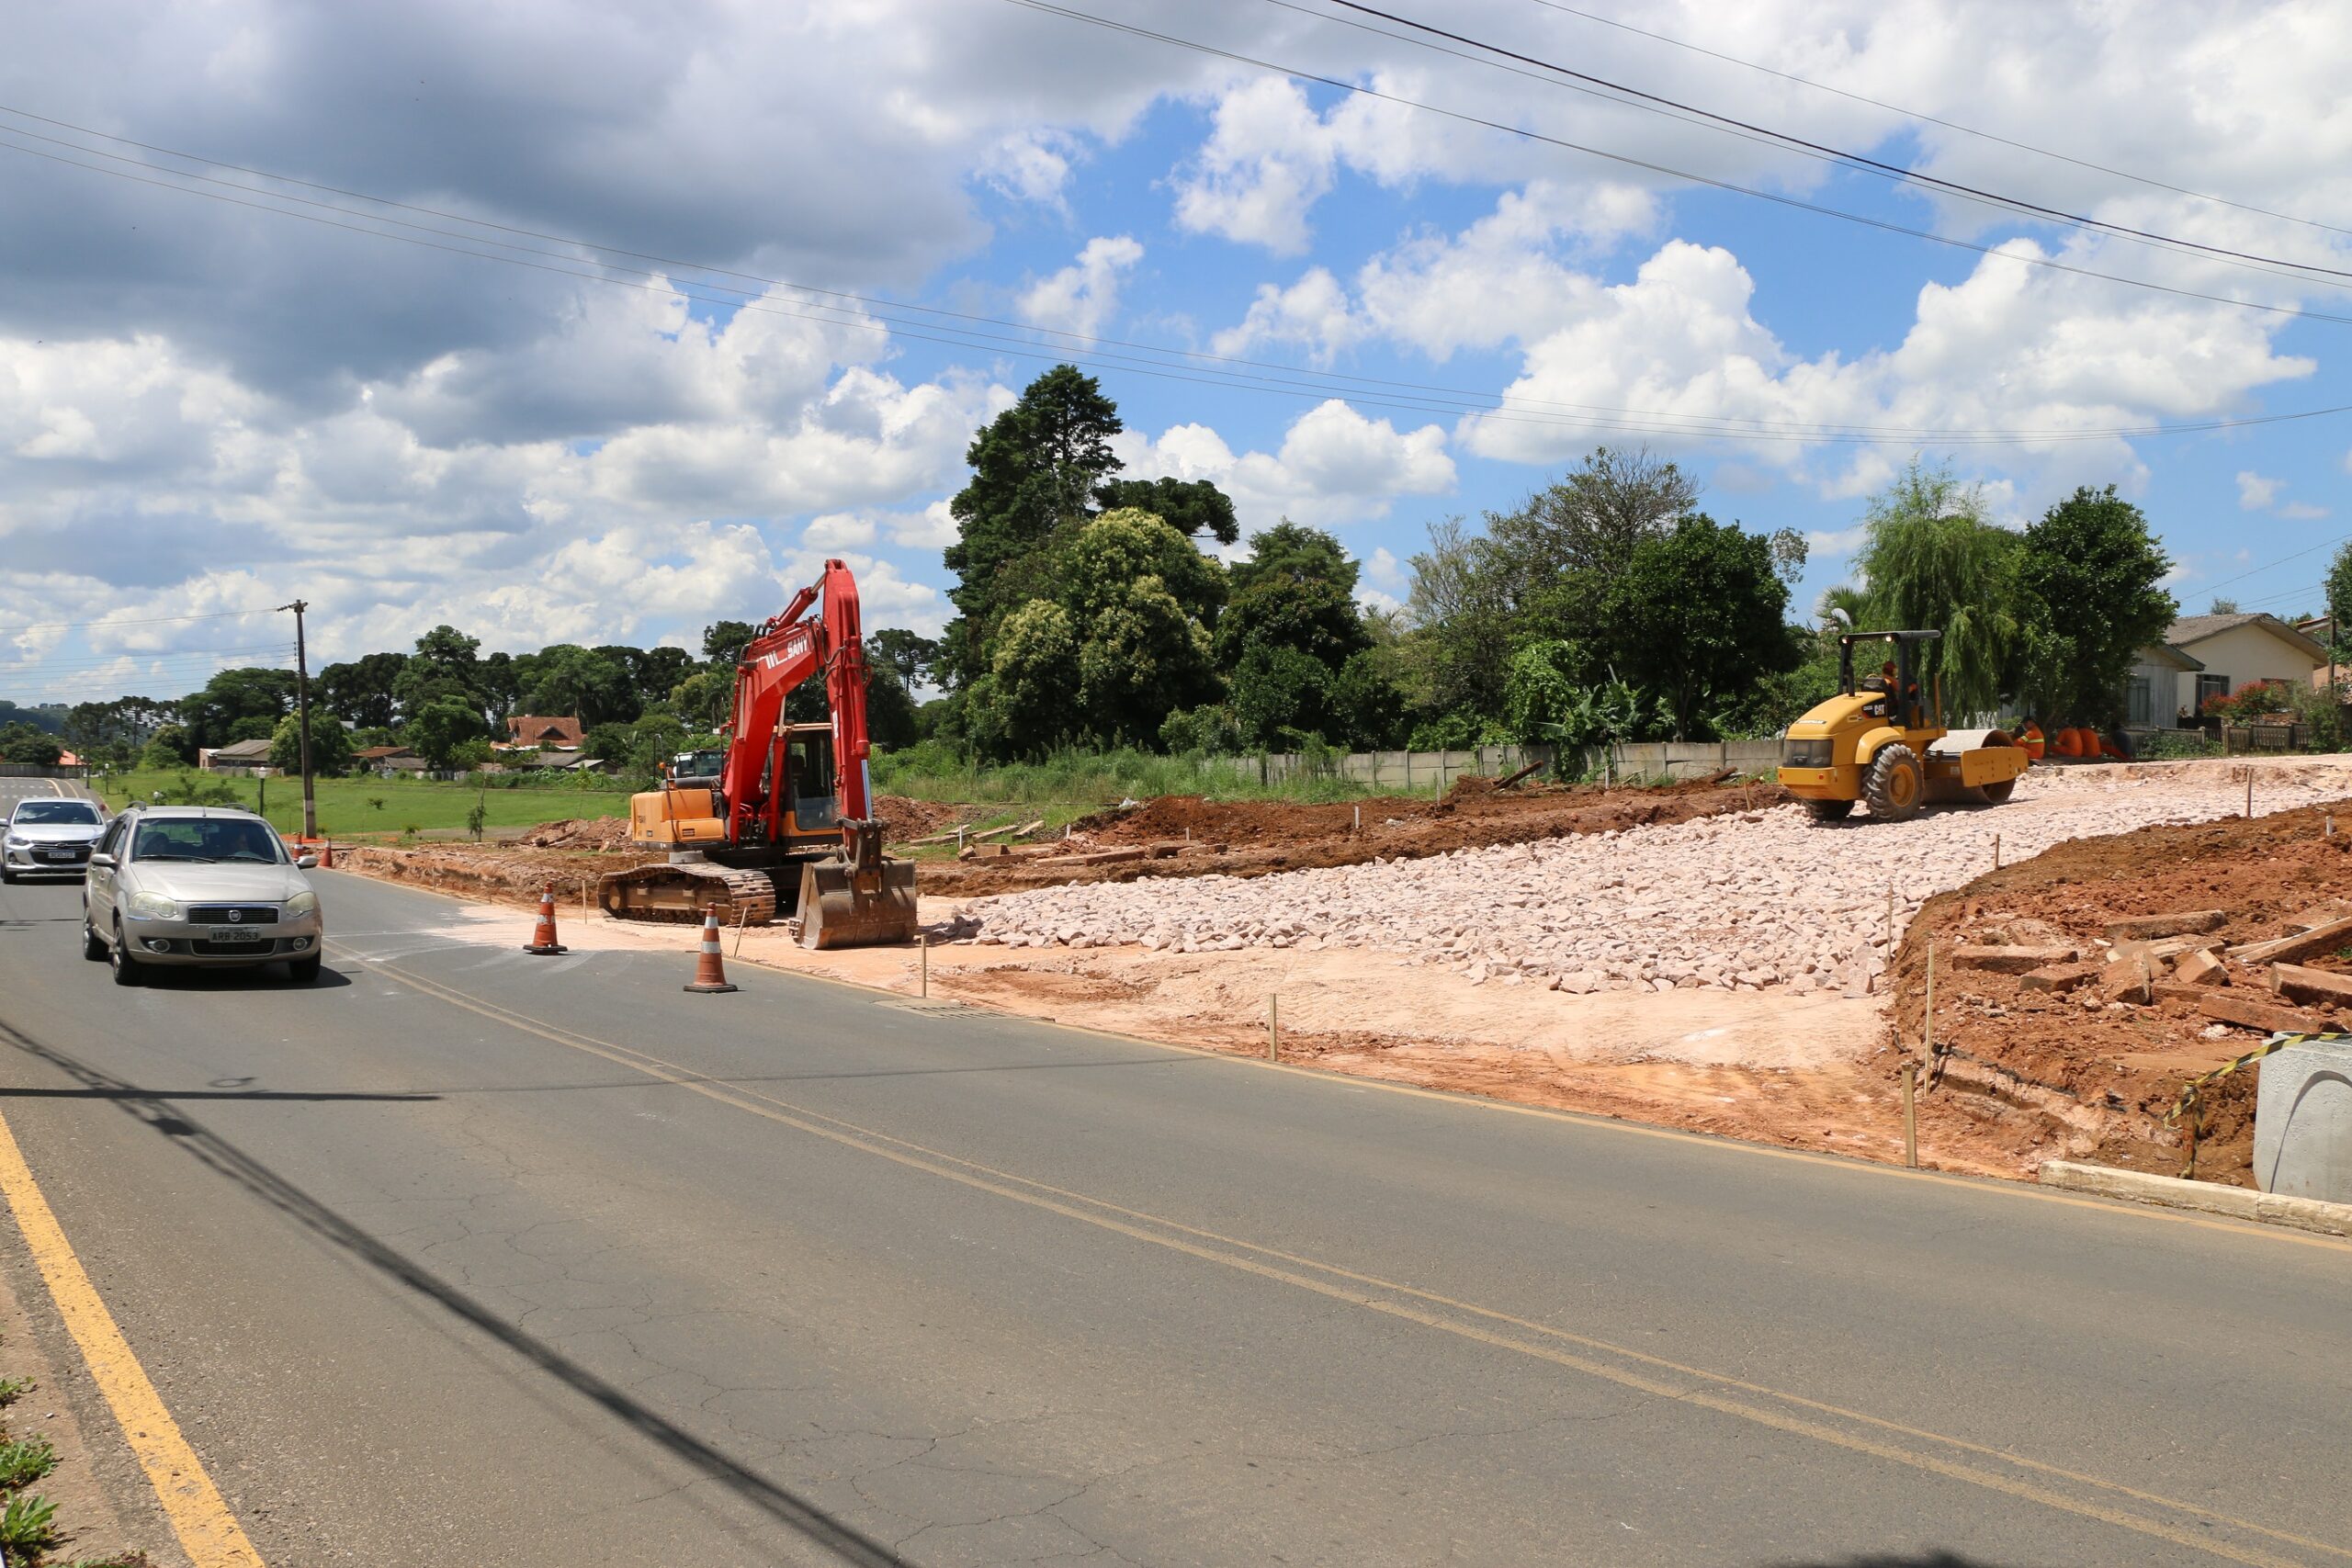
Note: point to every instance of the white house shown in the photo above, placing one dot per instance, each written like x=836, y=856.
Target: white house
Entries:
x=2204, y=655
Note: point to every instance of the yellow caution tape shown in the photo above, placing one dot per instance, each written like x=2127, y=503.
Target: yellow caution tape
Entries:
x=2188, y=1092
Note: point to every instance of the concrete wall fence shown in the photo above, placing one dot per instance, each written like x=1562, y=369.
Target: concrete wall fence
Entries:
x=26, y=770
x=1650, y=761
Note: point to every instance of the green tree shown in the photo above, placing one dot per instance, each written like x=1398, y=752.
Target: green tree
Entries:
x=170, y=747
x=1035, y=468
x=1292, y=605
x=1192, y=507
x=590, y=683
x=1279, y=694
x=1025, y=703
x=1588, y=523
x=238, y=704
x=723, y=642
x=705, y=698
x=361, y=690
x=1933, y=562
x=1697, y=617
x=2088, y=594
x=1540, y=687
x=2340, y=604
x=1461, y=624
x=446, y=667
x=330, y=745
x=910, y=656
x=26, y=747
x=440, y=727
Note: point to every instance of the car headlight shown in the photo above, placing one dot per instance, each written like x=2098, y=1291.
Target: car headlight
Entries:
x=15, y=843
x=151, y=906
x=303, y=903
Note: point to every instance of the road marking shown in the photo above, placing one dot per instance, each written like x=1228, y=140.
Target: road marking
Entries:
x=199, y=1517
x=1230, y=1252
x=1592, y=1121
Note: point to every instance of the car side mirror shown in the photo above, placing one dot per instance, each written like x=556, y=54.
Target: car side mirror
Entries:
x=102, y=861
x=306, y=863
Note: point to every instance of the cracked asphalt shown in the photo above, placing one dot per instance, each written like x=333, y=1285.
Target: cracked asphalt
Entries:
x=465, y=1256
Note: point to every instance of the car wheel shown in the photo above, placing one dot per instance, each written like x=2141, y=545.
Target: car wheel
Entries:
x=302, y=971
x=94, y=946
x=127, y=971
x=7, y=878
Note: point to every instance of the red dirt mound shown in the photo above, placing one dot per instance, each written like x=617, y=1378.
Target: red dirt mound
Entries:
x=2072, y=1073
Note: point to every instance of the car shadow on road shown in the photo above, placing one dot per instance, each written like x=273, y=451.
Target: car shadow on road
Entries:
x=1886, y=1560
x=224, y=1158
x=260, y=977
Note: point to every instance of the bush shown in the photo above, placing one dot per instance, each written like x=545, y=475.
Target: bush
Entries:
x=1208, y=730
x=2177, y=745
x=2254, y=701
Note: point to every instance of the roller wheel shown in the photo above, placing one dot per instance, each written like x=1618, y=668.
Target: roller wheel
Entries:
x=1996, y=794
x=1830, y=810
x=1894, y=786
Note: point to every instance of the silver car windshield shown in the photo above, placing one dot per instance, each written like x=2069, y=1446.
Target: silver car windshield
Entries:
x=79, y=812
x=206, y=840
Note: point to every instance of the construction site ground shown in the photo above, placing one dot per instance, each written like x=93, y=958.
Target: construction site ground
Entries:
x=1701, y=956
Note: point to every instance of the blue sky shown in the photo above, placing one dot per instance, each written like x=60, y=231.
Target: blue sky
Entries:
x=218, y=389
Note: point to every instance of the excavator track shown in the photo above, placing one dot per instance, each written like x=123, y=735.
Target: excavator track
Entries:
x=683, y=894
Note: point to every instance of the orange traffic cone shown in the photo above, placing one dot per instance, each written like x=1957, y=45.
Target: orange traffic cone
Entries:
x=710, y=974
x=326, y=855
x=543, y=940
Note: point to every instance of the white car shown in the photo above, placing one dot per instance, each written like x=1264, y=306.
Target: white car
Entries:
x=48, y=837
x=198, y=885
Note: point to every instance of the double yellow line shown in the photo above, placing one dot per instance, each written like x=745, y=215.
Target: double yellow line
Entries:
x=1641, y=1372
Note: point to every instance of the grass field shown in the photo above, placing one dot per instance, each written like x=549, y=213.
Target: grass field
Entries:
x=373, y=807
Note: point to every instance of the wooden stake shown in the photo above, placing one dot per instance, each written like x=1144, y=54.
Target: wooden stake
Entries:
x=741, y=915
x=922, y=945
x=1910, y=1117
x=2249, y=793
x=1928, y=1014
x=1274, y=1028
x=1996, y=852
x=1890, y=924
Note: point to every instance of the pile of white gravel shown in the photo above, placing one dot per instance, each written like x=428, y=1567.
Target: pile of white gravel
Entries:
x=1745, y=902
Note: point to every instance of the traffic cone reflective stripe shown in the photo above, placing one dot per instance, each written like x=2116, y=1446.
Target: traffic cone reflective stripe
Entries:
x=710, y=971
x=543, y=940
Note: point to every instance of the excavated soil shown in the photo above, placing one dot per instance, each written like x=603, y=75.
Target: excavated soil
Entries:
x=2076, y=1075
x=1255, y=838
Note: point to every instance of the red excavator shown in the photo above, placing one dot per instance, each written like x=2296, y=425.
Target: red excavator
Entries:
x=786, y=821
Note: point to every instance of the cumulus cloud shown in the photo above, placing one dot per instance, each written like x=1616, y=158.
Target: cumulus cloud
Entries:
x=2255, y=492
x=1334, y=467
x=1083, y=297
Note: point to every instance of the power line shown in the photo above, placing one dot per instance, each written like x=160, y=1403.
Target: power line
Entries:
x=1636, y=97
x=137, y=621
x=1180, y=365
x=2096, y=167
x=2282, y=561
x=1796, y=203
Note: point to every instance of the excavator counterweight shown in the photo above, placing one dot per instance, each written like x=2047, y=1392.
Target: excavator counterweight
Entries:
x=786, y=823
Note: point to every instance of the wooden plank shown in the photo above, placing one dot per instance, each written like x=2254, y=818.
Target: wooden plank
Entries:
x=2299, y=945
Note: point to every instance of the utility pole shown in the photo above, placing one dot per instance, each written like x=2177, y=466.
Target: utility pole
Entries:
x=302, y=707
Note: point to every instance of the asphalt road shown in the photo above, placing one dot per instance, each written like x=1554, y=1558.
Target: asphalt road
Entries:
x=466, y=1256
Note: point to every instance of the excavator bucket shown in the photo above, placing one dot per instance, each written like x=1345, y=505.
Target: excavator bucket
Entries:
x=857, y=896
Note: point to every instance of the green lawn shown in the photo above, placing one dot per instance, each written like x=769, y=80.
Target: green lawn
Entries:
x=348, y=808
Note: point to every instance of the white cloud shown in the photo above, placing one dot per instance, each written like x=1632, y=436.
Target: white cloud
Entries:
x=1334, y=467
x=1267, y=162
x=2256, y=493
x=1383, y=569
x=2301, y=511
x=1083, y=298
x=1033, y=165
x=837, y=530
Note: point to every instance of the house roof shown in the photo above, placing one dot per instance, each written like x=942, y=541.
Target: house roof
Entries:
x=539, y=727
x=2165, y=653
x=243, y=750
x=2191, y=630
x=378, y=753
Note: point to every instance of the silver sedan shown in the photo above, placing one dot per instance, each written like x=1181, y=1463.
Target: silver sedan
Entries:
x=48, y=837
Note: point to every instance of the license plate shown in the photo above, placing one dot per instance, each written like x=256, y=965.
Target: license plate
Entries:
x=57, y=854
x=234, y=934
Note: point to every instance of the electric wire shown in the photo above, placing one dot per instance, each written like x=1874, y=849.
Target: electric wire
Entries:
x=2095, y=166
x=1636, y=97
x=1777, y=198
x=1408, y=396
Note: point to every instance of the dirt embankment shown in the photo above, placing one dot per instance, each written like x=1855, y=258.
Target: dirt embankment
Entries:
x=1254, y=838
x=2078, y=1072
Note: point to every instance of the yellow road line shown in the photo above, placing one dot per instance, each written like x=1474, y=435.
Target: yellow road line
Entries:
x=1229, y=1252
x=1594, y=1121
x=199, y=1517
